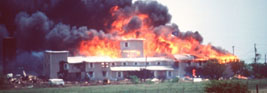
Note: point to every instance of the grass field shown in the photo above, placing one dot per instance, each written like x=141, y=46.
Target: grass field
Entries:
x=167, y=87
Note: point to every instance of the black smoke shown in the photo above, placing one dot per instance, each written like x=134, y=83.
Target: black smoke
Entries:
x=31, y=30
x=134, y=24
x=157, y=12
x=40, y=25
x=90, y=13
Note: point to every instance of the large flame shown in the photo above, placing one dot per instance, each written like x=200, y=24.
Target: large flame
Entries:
x=155, y=43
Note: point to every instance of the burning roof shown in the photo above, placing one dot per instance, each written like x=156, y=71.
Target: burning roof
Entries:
x=159, y=40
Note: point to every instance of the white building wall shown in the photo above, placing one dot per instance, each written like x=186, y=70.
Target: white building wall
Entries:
x=51, y=62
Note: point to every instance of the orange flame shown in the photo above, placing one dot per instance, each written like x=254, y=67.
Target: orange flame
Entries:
x=162, y=43
x=194, y=73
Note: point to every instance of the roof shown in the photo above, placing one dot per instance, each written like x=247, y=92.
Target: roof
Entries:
x=50, y=51
x=159, y=68
x=125, y=68
x=184, y=57
x=131, y=68
x=95, y=59
x=80, y=59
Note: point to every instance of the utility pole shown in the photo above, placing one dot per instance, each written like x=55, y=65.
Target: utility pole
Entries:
x=255, y=49
x=233, y=50
x=265, y=59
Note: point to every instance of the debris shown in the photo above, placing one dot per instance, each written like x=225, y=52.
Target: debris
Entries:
x=10, y=75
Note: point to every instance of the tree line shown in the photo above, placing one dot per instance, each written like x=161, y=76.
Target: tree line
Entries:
x=212, y=69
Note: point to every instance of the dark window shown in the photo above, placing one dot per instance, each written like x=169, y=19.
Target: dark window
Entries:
x=91, y=65
x=176, y=64
x=90, y=74
x=119, y=74
x=66, y=66
x=135, y=63
x=170, y=73
x=104, y=73
x=147, y=63
x=124, y=64
x=200, y=63
x=113, y=64
x=158, y=63
x=126, y=44
x=189, y=63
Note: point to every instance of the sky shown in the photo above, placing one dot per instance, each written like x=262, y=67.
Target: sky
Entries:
x=225, y=23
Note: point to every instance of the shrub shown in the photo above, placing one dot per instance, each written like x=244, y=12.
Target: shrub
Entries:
x=175, y=80
x=134, y=79
x=217, y=86
x=149, y=82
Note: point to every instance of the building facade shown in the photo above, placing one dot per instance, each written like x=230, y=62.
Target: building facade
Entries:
x=132, y=62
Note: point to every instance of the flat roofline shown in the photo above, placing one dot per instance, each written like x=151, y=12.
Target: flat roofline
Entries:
x=97, y=59
x=51, y=51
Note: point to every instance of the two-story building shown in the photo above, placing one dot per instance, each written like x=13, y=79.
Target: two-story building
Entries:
x=59, y=65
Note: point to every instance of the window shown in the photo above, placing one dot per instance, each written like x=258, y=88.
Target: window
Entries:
x=120, y=74
x=104, y=73
x=147, y=63
x=104, y=65
x=90, y=74
x=189, y=63
x=126, y=44
x=169, y=73
x=66, y=66
x=91, y=65
x=112, y=64
x=124, y=64
x=135, y=63
x=200, y=63
x=158, y=63
x=176, y=64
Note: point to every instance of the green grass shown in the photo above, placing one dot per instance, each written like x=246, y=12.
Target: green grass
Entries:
x=186, y=87
x=167, y=87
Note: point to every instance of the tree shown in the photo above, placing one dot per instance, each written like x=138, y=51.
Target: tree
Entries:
x=237, y=67
x=213, y=69
x=240, y=68
x=258, y=70
x=142, y=74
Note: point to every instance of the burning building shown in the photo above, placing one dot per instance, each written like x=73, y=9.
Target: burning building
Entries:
x=59, y=65
x=137, y=38
x=102, y=33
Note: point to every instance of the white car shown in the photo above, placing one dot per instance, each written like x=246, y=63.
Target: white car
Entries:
x=56, y=82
